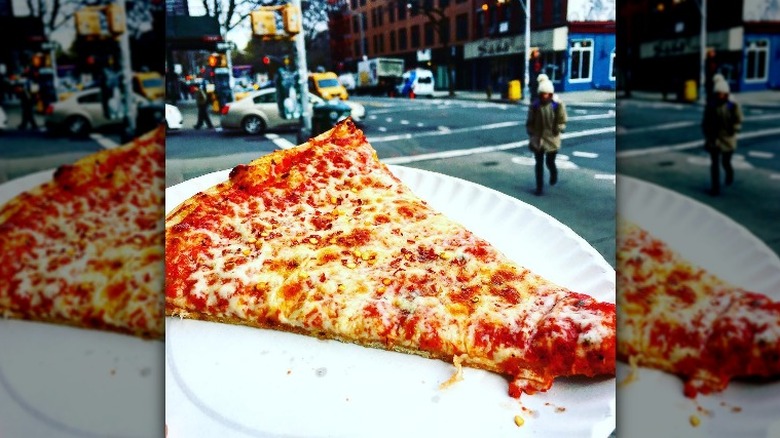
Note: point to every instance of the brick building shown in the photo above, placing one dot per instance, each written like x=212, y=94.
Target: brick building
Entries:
x=482, y=39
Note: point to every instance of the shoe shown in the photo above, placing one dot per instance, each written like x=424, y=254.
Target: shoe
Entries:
x=714, y=192
x=538, y=191
x=553, y=179
x=196, y=127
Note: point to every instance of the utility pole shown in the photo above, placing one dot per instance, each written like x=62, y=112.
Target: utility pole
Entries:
x=127, y=76
x=526, y=4
x=303, y=73
x=362, y=36
x=703, y=51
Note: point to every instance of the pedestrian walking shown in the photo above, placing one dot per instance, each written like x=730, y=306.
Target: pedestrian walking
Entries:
x=202, y=99
x=545, y=123
x=720, y=124
x=27, y=101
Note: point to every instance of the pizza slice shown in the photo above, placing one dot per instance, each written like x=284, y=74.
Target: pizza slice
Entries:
x=324, y=240
x=681, y=319
x=86, y=248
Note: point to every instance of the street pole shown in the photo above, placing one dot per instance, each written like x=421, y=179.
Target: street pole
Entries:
x=303, y=72
x=526, y=4
x=362, y=37
x=703, y=52
x=127, y=76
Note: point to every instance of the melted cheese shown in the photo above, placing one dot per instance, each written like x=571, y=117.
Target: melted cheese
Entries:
x=353, y=253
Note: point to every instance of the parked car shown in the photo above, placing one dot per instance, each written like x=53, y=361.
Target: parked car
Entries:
x=259, y=112
x=149, y=85
x=82, y=113
x=419, y=81
x=173, y=118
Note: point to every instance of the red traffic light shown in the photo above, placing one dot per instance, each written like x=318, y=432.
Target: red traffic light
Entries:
x=266, y=60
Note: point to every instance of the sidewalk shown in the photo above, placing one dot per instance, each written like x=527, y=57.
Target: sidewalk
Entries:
x=764, y=98
x=588, y=97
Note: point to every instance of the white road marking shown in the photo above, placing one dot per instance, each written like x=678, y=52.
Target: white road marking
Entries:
x=561, y=161
x=404, y=122
x=372, y=117
x=738, y=161
x=443, y=129
x=604, y=176
x=581, y=111
x=420, y=124
x=487, y=149
x=106, y=143
x=585, y=154
x=774, y=176
x=690, y=144
x=665, y=126
x=761, y=154
x=389, y=120
x=382, y=129
x=280, y=142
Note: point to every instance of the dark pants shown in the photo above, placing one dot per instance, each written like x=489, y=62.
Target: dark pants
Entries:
x=27, y=116
x=725, y=160
x=203, y=117
x=539, y=168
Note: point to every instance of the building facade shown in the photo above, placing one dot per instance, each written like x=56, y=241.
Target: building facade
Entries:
x=663, y=44
x=482, y=40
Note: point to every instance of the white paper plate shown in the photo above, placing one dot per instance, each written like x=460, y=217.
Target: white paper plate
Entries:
x=655, y=405
x=58, y=381
x=226, y=380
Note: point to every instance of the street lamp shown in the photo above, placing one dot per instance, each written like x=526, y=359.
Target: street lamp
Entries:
x=702, y=4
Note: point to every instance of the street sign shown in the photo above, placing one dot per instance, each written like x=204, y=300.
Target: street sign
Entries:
x=227, y=45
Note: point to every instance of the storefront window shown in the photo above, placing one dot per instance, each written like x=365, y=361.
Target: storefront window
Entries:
x=612, y=74
x=756, y=54
x=581, y=63
x=553, y=65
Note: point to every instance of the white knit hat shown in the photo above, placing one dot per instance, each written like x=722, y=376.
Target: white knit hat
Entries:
x=546, y=87
x=717, y=77
x=721, y=87
x=542, y=77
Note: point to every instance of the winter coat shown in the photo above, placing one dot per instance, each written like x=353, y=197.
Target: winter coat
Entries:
x=720, y=124
x=545, y=124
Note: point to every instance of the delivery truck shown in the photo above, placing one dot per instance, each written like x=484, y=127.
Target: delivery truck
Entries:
x=379, y=75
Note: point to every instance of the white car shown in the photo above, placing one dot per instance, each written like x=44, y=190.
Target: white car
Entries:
x=82, y=112
x=259, y=111
x=173, y=118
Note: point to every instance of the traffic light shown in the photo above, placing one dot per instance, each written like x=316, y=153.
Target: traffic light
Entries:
x=116, y=18
x=291, y=16
x=263, y=22
x=100, y=21
x=266, y=60
x=217, y=60
x=37, y=60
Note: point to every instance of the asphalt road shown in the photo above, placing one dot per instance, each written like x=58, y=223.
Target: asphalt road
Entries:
x=661, y=143
x=482, y=142
x=29, y=151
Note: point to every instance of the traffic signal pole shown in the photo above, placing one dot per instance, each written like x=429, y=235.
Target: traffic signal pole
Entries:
x=127, y=77
x=303, y=72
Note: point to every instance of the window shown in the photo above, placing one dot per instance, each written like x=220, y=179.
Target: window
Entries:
x=376, y=43
x=355, y=24
x=414, y=7
x=461, y=1
x=380, y=15
x=353, y=4
x=756, y=55
x=357, y=49
x=427, y=5
x=581, y=60
x=462, y=27
x=444, y=3
x=538, y=12
x=382, y=43
x=373, y=18
x=402, y=39
x=557, y=11
x=90, y=98
x=415, y=37
x=480, y=24
x=428, y=33
x=401, y=11
x=364, y=17
x=266, y=98
x=612, y=66
x=362, y=2
x=445, y=29
x=392, y=41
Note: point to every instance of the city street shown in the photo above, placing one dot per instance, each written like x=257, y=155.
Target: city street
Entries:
x=29, y=151
x=482, y=142
x=661, y=142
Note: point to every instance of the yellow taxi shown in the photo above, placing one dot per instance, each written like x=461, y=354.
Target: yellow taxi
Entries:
x=327, y=86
